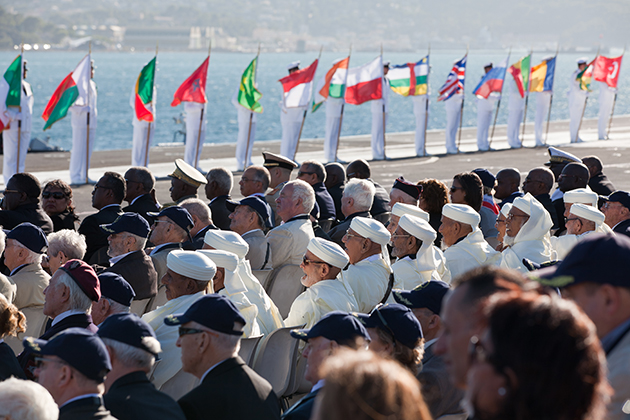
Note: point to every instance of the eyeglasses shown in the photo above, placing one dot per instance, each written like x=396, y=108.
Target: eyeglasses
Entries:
x=5, y=192
x=39, y=361
x=306, y=261
x=572, y=218
x=453, y=189
x=55, y=195
x=512, y=216
x=186, y=331
x=608, y=204
x=300, y=173
x=384, y=322
x=352, y=235
x=400, y=236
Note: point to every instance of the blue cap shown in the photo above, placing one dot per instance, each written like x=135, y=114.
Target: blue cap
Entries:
x=257, y=203
x=30, y=236
x=79, y=348
x=598, y=258
x=116, y=288
x=487, y=178
x=397, y=320
x=621, y=197
x=337, y=326
x=129, y=329
x=178, y=215
x=128, y=222
x=212, y=311
x=427, y=295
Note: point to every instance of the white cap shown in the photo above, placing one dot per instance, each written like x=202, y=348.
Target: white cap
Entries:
x=293, y=65
x=505, y=210
x=582, y=60
x=418, y=228
x=588, y=213
x=386, y=63
x=582, y=196
x=401, y=209
x=191, y=264
x=227, y=241
x=370, y=229
x=232, y=282
x=560, y=156
x=462, y=213
x=329, y=252
x=523, y=204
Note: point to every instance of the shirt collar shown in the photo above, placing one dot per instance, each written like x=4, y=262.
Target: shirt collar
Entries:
x=211, y=367
x=65, y=315
x=114, y=260
x=16, y=269
x=318, y=385
x=609, y=341
x=158, y=247
x=80, y=397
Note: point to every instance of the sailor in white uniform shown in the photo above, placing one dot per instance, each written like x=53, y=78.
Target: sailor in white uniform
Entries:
x=420, y=111
x=82, y=115
x=453, y=108
x=380, y=109
x=577, y=102
x=195, y=129
x=485, y=110
x=516, y=108
x=333, y=125
x=291, y=120
x=141, y=133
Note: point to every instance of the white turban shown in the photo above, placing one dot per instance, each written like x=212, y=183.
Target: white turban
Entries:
x=462, y=213
x=329, y=252
x=401, y=209
x=370, y=229
x=505, y=210
x=229, y=262
x=226, y=240
x=588, y=213
x=582, y=196
x=418, y=228
x=191, y=264
x=537, y=226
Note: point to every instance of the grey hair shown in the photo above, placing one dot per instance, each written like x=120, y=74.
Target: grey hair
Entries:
x=31, y=257
x=3, y=238
x=197, y=208
x=79, y=301
x=362, y=192
x=261, y=174
x=145, y=177
x=302, y=190
x=316, y=167
x=21, y=399
x=227, y=342
x=130, y=356
x=140, y=241
x=117, y=308
x=68, y=241
x=223, y=177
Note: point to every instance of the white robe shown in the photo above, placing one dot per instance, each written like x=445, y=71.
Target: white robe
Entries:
x=10, y=136
x=485, y=112
x=193, y=148
x=471, y=252
x=269, y=318
x=516, y=108
x=562, y=245
x=543, y=102
x=245, y=119
x=380, y=109
x=368, y=280
x=291, y=121
x=429, y=264
x=606, y=100
x=577, y=103
x=333, y=125
x=453, y=108
x=420, y=112
x=80, y=155
x=139, y=147
x=318, y=300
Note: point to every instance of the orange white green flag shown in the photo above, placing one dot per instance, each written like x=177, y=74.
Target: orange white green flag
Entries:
x=333, y=84
x=520, y=72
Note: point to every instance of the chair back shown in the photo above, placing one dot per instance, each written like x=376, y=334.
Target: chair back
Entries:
x=284, y=286
x=263, y=277
x=248, y=349
x=277, y=359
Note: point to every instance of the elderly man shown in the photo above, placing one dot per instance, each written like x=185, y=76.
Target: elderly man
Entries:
x=72, y=366
x=314, y=173
x=127, y=239
x=617, y=211
x=202, y=222
x=218, y=188
x=254, y=181
x=116, y=297
x=466, y=247
x=581, y=221
x=209, y=336
x=188, y=277
x=380, y=207
x=289, y=241
x=357, y=199
x=7, y=287
x=593, y=275
x=399, y=210
x=322, y=263
x=369, y=275
x=280, y=169
x=335, y=330
x=21, y=203
x=579, y=196
x=574, y=175
x=597, y=181
x=335, y=179
x=185, y=181
x=107, y=195
x=404, y=192
x=140, y=192
x=133, y=348
x=538, y=183
x=19, y=397
x=248, y=218
x=63, y=245
x=508, y=181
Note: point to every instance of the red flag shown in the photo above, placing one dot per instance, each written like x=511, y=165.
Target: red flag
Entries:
x=607, y=70
x=142, y=113
x=194, y=88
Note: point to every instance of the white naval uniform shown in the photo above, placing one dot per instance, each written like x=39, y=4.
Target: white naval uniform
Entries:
x=245, y=116
x=453, y=108
x=420, y=112
x=368, y=280
x=606, y=100
x=378, y=131
x=485, y=111
x=80, y=156
x=516, y=108
x=577, y=102
x=193, y=116
x=10, y=136
x=473, y=251
x=333, y=125
x=139, y=149
x=543, y=102
x=291, y=120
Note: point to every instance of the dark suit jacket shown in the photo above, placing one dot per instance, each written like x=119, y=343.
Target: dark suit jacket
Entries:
x=601, y=185
x=559, y=206
x=137, y=268
x=381, y=202
x=545, y=200
x=231, y=391
x=32, y=213
x=302, y=409
x=84, y=409
x=64, y=220
x=511, y=198
x=325, y=202
x=220, y=212
x=143, y=205
x=623, y=228
x=441, y=396
x=9, y=365
x=134, y=397
x=197, y=241
x=95, y=238
x=340, y=230
x=336, y=192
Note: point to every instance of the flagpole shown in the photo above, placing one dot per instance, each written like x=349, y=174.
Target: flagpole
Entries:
x=551, y=97
x=196, y=161
x=496, y=114
x=426, y=107
x=146, y=151
x=612, y=112
x=17, y=169
x=526, y=93
x=89, y=88
x=383, y=99
x=297, y=144
x=461, y=111
x=251, y=113
x=577, y=134
x=342, y=106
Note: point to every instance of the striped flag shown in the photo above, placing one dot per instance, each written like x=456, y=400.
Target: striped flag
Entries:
x=298, y=86
x=520, y=73
x=585, y=77
x=333, y=84
x=365, y=83
x=492, y=81
x=143, y=94
x=409, y=79
x=454, y=81
x=542, y=76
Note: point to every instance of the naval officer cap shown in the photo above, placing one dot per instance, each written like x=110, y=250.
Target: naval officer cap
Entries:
x=620, y=197
x=400, y=209
x=227, y=241
x=338, y=326
x=85, y=277
x=371, y=229
x=178, y=215
x=294, y=65
x=191, y=264
x=116, y=288
x=462, y=213
x=128, y=222
x=428, y=295
x=397, y=320
x=132, y=330
x=187, y=174
x=588, y=213
x=273, y=160
x=581, y=195
x=254, y=202
x=560, y=156
x=212, y=311
x=30, y=236
x=328, y=252
x=418, y=228
x=408, y=188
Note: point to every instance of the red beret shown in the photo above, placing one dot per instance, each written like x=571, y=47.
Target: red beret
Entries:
x=85, y=277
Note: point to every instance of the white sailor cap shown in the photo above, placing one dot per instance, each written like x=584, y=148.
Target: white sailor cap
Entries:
x=328, y=252
x=418, y=228
x=400, y=209
x=191, y=264
x=582, y=60
x=588, y=213
x=386, y=63
x=222, y=259
x=227, y=241
x=462, y=213
x=186, y=173
x=505, y=210
x=294, y=65
x=560, y=156
x=581, y=195
x=370, y=229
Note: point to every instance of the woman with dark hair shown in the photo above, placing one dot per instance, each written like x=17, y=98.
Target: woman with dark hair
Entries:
x=57, y=203
x=433, y=197
x=539, y=358
x=467, y=188
x=12, y=322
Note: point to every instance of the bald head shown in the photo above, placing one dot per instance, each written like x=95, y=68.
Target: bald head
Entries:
x=538, y=181
x=508, y=180
x=335, y=174
x=574, y=175
x=358, y=169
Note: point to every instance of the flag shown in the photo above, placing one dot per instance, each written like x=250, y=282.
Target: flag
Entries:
x=410, y=79
x=520, y=73
x=365, y=83
x=73, y=90
x=454, y=81
x=585, y=77
x=607, y=70
x=248, y=95
x=194, y=88
x=298, y=86
x=541, y=78
x=332, y=84
x=144, y=92
x=10, y=90
x=492, y=81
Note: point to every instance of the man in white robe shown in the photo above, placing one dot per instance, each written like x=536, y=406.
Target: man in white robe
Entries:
x=380, y=110
x=581, y=221
x=399, y=210
x=577, y=102
x=81, y=115
x=606, y=101
x=142, y=134
x=516, y=108
x=246, y=134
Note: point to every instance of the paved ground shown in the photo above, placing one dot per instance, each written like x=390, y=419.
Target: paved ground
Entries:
x=614, y=153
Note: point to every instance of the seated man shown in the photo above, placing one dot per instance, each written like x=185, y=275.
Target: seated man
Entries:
x=335, y=180
x=20, y=397
x=508, y=181
x=617, y=211
x=573, y=176
x=140, y=192
x=280, y=169
x=381, y=207
x=322, y=263
x=116, y=297
x=581, y=221
x=185, y=181
x=21, y=204
x=399, y=210
x=7, y=287
x=538, y=183
x=526, y=234
x=357, y=199
x=467, y=248
x=369, y=274
x=218, y=188
x=314, y=173
x=188, y=277
x=202, y=222
x=247, y=218
x=63, y=246
x=133, y=348
x=210, y=331
x=404, y=192
x=289, y=241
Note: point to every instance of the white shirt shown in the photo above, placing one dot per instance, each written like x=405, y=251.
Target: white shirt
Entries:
x=80, y=397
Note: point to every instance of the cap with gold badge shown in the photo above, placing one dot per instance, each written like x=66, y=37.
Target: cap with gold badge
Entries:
x=186, y=173
x=273, y=160
x=560, y=156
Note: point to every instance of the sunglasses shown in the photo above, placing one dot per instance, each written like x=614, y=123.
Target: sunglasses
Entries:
x=55, y=195
x=186, y=331
x=306, y=261
x=453, y=189
x=304, y=173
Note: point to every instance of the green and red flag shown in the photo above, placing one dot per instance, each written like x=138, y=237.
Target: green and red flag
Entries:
x=144, y=92
x=586, y=76
x=520, y=72
x=194, y=88
x=248, y=94
x=10, y=92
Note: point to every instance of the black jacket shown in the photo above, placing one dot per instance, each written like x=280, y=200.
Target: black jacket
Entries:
x=143, y=205
x=558, y=204
x=601, y=185
x=623, y=228
x=137, y=268
x=381, y=201
x=95, y=238
x=302, y=409
x=325, y=202
x=9, y=365
x=220, y=212
x=64, y=220
x=340, y=230
x=545, y=200
x=336, y=192
x=197, y=241
x=31, y=212
x=84, y=409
